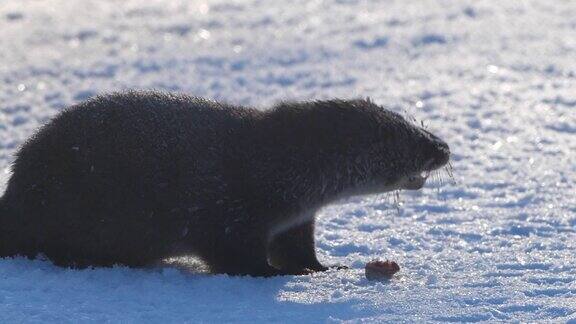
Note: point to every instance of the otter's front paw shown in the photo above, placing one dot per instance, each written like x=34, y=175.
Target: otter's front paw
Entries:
x=339, y=267
x=326, y=268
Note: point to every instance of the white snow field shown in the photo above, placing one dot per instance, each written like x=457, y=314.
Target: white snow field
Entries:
x=495, y=79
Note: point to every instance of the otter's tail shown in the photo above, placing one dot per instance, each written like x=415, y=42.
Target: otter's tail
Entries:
x=15, y=236
x=3, y=230
x=8, y=246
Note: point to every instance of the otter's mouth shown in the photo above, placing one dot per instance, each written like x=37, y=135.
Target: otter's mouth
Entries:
x=416, y=180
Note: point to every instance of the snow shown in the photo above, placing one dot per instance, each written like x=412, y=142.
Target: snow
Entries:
x=495, y=79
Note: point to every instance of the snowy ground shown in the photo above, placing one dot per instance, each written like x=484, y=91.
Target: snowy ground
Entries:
x=495, y=79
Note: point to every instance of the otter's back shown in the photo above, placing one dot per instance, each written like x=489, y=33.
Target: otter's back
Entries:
x=147, y=133
x=121, y=165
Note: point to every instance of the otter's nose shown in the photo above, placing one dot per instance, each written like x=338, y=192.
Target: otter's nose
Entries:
x=442, y=153
x=437, y=151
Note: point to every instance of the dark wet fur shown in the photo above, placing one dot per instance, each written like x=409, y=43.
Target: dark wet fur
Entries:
x=132, y=178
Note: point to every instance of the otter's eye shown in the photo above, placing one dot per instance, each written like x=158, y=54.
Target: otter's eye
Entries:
x=412, y=178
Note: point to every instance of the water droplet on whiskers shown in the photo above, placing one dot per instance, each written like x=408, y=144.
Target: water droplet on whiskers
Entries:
x=450, y=171
x=397, y=201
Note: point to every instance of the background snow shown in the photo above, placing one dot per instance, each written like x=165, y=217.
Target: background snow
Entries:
x=495, y=79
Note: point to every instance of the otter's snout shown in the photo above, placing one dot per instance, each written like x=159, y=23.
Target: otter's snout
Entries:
x=436, y=151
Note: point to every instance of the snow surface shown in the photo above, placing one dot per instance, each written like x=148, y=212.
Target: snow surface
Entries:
x=495, y=79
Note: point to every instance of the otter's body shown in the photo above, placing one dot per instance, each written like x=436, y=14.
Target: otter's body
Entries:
x=136, y=177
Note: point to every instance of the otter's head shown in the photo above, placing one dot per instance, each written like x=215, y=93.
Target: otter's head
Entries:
x=365, y=147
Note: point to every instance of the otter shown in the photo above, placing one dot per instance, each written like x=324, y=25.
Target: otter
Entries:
x=136, y=177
